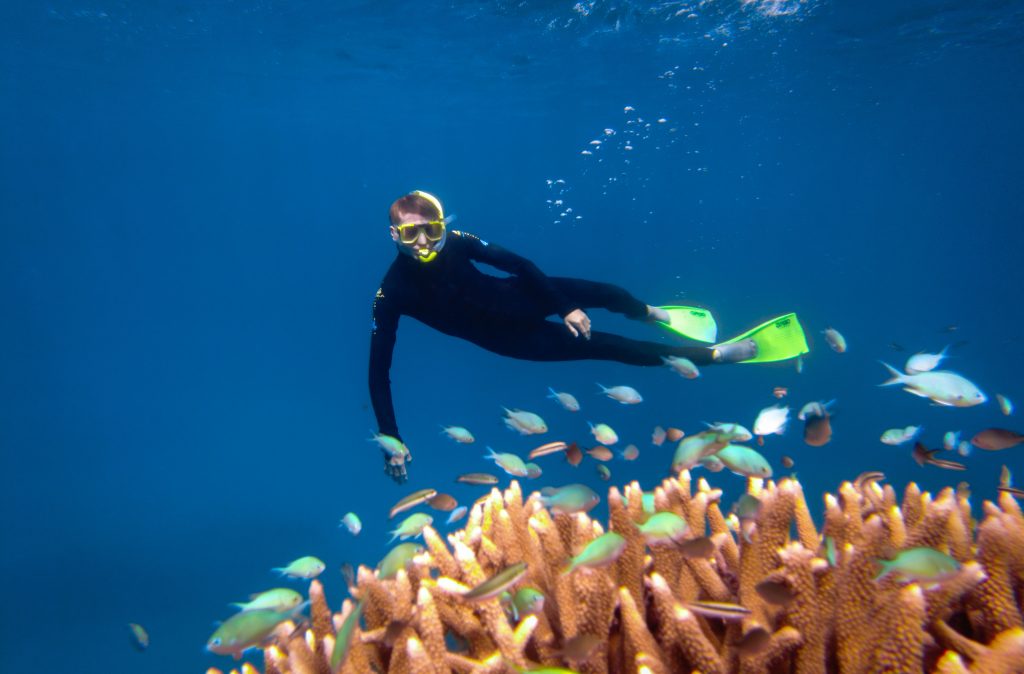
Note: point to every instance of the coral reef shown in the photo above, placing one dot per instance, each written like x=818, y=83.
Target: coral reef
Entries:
x=829, y=614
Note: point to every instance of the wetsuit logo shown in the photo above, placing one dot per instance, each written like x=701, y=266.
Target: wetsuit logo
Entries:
x=783, y=323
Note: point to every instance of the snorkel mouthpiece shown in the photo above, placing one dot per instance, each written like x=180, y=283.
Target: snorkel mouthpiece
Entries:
x=426, y=255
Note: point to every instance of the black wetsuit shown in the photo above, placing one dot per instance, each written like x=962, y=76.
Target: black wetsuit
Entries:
x=503, y=315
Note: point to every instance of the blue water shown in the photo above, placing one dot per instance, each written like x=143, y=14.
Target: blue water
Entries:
x=193, y=203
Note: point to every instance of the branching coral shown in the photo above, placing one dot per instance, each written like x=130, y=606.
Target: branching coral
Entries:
x=828, y=613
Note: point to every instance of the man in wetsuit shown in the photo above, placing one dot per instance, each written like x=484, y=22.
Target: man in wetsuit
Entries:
x=433, y=280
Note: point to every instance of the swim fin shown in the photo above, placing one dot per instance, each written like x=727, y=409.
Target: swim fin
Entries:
x=778, y=339
x=692, y=322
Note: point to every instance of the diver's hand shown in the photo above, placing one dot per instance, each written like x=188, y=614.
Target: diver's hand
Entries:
x=395, y=467
x=578, y=323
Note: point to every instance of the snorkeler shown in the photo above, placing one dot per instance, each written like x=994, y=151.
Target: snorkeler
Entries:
x=433, y=280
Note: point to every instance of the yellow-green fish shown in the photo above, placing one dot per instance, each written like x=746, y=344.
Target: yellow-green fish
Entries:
x=343, y=640
x=920, y=564
x=744, y=461
x=278, y=599
x=351, y=522
x=303, y=567
x=411, y=527
x=1005, y=404
x=533, y=471
x=663, y=527
x=397, y=558
x=527, y=600
x=525, y=423
x=245, y=630
x=603, y=433
x=412, y=500
x=692, y=449
x=600, y=552
x=140, y=638
x=498, y=583
x=458, y=434
x=939, y=386
x=572, y=498
x=603, y=472
x=510, y=463
x=392, y=446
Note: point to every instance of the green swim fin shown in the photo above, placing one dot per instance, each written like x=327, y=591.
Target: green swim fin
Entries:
x=778, y=339
x=692, y=322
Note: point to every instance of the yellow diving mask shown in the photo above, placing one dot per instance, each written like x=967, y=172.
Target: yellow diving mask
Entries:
x=409, y=232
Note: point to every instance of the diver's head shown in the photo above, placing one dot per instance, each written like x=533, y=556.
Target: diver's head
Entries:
x=418, y=225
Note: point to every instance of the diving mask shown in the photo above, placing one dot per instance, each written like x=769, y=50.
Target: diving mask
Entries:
x=409, y=232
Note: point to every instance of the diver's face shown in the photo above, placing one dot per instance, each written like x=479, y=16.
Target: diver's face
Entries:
x=421, y=242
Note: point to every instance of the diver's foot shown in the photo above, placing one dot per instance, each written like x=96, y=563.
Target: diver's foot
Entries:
x=735, y=352
x=657, y=314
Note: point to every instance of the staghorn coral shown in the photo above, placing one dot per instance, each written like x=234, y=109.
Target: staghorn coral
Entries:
x=838, y=618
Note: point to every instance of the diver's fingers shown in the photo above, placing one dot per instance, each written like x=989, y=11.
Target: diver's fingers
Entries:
x=571, y=329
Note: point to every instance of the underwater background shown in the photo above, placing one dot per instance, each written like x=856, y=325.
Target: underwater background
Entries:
x=193, y=212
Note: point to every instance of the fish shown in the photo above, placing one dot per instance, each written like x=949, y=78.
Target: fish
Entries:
x=566, y=400
x=924, y=362
x=684, y=367
x=729, y=432
x=600, y=552
x=775, y=592
x=692, y=449
x=922, y=455
x=1012, y=491
x=940, y=386
x=897, y=436
x=303, y=567
x=580, y=648
x=603, y=472
x=896, y=347
x=603, y=433
x=697, y=548
x=920, y=565
x=787, y=462
x=573, y=454
x=245, y=630
x=443, y=502
x=627, y=395
x=995, y=439
x=964, y=448
x=830, y=551
x=718, y=609
x=950, y=328
x=818, y=430
x=458, y=434
x=673, y=434
x=510, y=463
x=799, y=364
x=712, y=463
x=600, y=452
x=771, y=420
x=780, y=392
x=744, y=461
x=278, y=599
x=835, y=340
x=1005, y=404
x=351, y=522
x=392, y=446
x=533, y=471
x=397, y=558
x=411, y=501
x=526, y=601
x=525, y=423
x=950, y=440
x=349, y=574
x=663, y=527
x=548, y=448
x=411, y=527
x=139, y=635
x=457, y=515
x=755, y=640
x=343, y=639
x=658, y=436
x=477, y=478
x=572, y=498
x=498, y=583
x=866, y=478
x=630, y=453
x=1005, y=477
x=814, y=409
x=746, y=510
